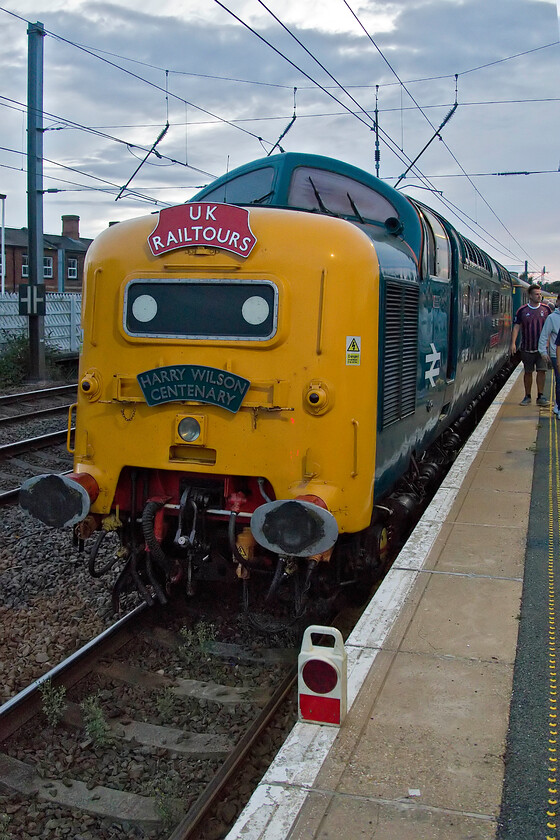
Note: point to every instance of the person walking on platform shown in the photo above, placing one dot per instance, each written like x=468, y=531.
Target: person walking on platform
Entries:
x=558, y=369
x=529, y=319
x=547, y=349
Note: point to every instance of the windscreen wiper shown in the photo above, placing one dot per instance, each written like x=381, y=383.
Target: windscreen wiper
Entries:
x=320, y=202
x=355, y=209
x=262, y=198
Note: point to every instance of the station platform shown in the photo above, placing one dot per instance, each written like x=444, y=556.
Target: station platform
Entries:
x=451, y=725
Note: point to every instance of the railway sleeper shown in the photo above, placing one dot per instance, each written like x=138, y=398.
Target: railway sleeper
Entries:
x=99, y=801
x=224, y=694
x=193, y=744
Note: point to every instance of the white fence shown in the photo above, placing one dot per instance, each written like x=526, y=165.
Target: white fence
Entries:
x=62, y=321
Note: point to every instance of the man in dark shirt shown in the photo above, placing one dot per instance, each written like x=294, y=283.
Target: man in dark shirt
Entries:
x=529, y=319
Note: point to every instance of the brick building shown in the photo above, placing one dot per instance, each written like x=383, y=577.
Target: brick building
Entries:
x=63, y=260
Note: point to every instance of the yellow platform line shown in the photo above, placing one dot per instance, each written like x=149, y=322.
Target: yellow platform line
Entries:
x=553, y=527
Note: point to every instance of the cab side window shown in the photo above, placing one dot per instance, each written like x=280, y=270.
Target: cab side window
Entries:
x=437, y=242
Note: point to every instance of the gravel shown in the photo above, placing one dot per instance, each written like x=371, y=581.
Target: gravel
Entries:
x=49, y=607
x=33, y=428
x=49, y=604
x=39, y=627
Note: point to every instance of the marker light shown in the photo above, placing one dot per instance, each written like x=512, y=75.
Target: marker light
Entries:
x=90, y=385
x=317, y=397
x=189, y=429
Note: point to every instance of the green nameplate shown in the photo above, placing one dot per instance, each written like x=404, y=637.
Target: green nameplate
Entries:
x=175, y=383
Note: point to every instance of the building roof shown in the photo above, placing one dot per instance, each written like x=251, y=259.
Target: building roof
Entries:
x=18, y=238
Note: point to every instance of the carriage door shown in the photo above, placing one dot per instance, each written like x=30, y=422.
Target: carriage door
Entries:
x=437, y=271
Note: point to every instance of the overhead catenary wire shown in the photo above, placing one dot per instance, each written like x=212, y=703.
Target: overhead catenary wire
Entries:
x=386, y=137
x=60, y=38
x=275, y=117
x=112, y=188
x=91, y=51
x=94, y=50
x=258, y=82
x=441, y=198
x=446, y=203
x=368, y=121
x=315, y=59
x=97, y=132
x=403, y=87
x=235, y=123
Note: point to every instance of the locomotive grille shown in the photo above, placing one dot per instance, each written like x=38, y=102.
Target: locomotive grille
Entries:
x=399, y=352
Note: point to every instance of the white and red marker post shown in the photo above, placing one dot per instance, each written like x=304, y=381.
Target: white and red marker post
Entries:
x=322, y=679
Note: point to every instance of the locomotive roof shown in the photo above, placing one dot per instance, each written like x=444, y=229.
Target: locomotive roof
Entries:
x=270, y=182
x=319, y=184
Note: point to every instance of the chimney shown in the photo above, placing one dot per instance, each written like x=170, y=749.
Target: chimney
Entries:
x=71, y=226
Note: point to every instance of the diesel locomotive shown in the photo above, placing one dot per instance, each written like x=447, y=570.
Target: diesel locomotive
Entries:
x=273, y=376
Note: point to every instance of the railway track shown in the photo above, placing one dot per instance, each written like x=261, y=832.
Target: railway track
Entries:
x=32, y=456
x=32, y=437
x=26, y=405
x=39, y=393
x=161, y=745
x=20, y=447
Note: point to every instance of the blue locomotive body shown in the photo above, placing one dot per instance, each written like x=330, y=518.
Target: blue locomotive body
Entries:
x=445, y=305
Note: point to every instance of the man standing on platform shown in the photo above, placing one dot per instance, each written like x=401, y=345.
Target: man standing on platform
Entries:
x=547, y=349
x=558, y=363
x=529, y=319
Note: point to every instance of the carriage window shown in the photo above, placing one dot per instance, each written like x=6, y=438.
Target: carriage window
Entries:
x=227, y=310
x=329, y=192
x=472, y=255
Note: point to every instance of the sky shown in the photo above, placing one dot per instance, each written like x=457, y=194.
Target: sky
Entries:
x=218, y=82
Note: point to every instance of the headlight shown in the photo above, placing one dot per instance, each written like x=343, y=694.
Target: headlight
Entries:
x=189, y=429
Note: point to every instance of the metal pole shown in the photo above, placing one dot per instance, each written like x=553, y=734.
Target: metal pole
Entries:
x=377, y=151
x=35, y=35
x=3, y=242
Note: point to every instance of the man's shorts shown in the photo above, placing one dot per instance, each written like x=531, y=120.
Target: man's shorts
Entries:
x=532, y=360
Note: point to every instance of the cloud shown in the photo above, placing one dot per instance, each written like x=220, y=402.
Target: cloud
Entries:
x=228, y=97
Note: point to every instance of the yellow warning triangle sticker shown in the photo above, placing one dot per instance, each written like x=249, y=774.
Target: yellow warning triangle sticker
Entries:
x=353, y=347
